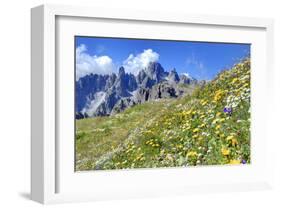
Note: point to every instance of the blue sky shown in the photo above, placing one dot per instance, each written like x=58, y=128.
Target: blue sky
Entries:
x=201, y=60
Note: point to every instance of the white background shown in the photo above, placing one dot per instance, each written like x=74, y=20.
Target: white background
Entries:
x=15, y=103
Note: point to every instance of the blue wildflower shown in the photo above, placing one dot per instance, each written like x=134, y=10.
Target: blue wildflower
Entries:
x=227, y=110
x=244, y=161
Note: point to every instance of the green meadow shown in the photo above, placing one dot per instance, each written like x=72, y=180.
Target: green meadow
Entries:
x=210, y=126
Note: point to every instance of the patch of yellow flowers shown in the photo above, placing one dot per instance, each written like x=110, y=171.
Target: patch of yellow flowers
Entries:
x=152, y=143
x=225, y=151
x=218, y=95
x=195, y=130
x=234, y=162
x=233, y=140
x=192, y=154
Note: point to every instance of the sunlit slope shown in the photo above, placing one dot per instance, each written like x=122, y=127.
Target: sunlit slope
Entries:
x=209, y=127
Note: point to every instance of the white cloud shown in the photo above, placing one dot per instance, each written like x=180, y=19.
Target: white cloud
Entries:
x=186, y=74
x=200, y=70
x=87, y=64
x=192, y=60
x=133, y=64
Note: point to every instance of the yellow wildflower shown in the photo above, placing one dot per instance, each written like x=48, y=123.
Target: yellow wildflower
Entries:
x=195, y=136
x=195, y=130
x=234, y=142
x=185, y=113
x=202, y=125
x=187, y=127
x=246, y=84
x=218, y=95
x=222, y=120
x=234, y=162
x=203, y=102
x=229, y=137
x=232, y=139
x=188, y=112
x=215, y=121
x=234, y=80
x=218, y=127
x=191, y=154
x=225, y=151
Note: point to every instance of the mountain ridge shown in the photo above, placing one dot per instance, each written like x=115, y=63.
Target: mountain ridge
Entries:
x=103, y=95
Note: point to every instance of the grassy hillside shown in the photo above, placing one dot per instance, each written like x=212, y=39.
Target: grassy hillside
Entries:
x=209, y=127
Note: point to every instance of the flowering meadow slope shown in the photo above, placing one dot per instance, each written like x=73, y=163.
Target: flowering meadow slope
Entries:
x=209, y=127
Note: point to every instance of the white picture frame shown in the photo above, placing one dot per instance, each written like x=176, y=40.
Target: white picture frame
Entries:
x=52, y=181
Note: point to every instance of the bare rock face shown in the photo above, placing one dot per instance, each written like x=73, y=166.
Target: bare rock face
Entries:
x=123, y=104
x=105, y=108
x=102, y=95
x=142, y=95
x=151, y=75
x=110, y=81
x=173, y=76
x=125, y=83
x=184, y=79
x=86, y=88
x=158, y=91
x=162, y=90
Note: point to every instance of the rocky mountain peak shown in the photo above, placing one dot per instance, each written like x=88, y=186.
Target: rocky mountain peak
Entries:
x=152, y=74
x=186, y=79
x=121, y=71
x=173, y=76
x=155, y=71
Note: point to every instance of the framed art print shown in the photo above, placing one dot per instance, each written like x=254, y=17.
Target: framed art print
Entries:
x=131, y=104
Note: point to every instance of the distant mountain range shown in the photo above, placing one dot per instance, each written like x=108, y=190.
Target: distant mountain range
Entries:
x=103, y=95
